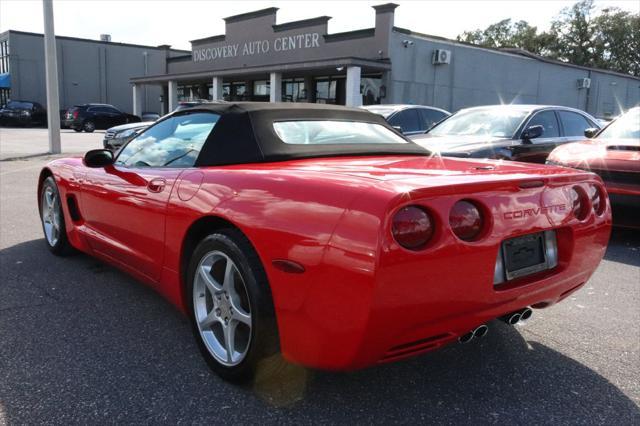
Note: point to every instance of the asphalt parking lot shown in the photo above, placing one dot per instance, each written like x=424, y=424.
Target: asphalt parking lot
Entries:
x=81, y=342
x=19, y=142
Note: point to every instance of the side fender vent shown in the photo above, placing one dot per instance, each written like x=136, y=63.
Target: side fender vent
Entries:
x=72, y=204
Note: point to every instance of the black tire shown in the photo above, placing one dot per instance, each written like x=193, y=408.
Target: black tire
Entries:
x=61, y=247
x=77, y=129
x=264, y=342
x=89, y=126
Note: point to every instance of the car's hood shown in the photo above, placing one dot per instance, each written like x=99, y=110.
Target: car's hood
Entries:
x=599, y=154
x=459, y=144
x=130, y=126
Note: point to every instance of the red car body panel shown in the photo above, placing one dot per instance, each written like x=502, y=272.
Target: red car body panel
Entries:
x=617, y=161
x=362, y=298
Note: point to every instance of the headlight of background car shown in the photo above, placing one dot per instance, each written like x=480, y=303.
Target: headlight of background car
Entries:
x=25, y=113
x=126, y=133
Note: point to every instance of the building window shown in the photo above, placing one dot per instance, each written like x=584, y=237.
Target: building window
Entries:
x=261, y=87
x=293, y=90
x=326, y=91
x=370, y=90
x=4, y=56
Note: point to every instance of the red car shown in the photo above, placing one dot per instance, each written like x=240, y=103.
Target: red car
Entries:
x=321, y=233
x=614, y=154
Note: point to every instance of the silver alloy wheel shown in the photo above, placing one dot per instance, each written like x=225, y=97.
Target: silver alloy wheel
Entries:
x=89, y=126
x=51, y=215
x=221, y=308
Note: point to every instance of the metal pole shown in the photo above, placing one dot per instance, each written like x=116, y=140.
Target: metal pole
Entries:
x=51, y=60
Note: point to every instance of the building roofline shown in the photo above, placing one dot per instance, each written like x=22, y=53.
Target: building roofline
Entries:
x=212, y=39
x=513, y=52
x=301, y=23
x=387, y=7
x=350, y=35
x=111, y=43
x=250, y=15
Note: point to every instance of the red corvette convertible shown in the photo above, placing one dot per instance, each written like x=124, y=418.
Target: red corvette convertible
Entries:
x=321, y=233
x=614, y=154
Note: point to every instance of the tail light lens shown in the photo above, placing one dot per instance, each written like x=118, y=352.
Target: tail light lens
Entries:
x=466, y=220
x=579, y=203
x=412, y=227
x=75, y=114
x=598, y=200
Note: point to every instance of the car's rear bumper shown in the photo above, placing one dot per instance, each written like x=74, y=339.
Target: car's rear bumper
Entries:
x=406, y=307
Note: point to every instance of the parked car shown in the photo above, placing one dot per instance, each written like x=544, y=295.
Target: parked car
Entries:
x=321, y=233
x=117, y=136
x=510, y=132
x=195, y=102
x=614, y=154
x=409, y=119
x=89, y=117
x=23, y=113
x=149, y=116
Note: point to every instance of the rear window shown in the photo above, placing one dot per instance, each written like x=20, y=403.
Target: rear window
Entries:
x=323, y=132
x=19, y=105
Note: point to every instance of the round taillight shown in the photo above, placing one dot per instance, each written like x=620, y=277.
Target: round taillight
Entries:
x=466, y=220
x=579, y=203
x=598, y=199
x=412, y=227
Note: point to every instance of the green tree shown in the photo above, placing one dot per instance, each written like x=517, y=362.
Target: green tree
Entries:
x=505, y=34
x=580, y=34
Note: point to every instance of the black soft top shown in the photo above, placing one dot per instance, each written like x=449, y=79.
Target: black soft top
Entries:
x=245, y=134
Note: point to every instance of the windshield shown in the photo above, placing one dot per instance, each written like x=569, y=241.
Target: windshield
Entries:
x=625, y=127
x=334, y=132
x=495, y=122
x=19, y=105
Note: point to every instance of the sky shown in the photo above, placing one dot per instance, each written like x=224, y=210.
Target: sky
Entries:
x=175, y=22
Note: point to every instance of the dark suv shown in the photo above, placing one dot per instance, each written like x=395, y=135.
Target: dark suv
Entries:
x=89, y=117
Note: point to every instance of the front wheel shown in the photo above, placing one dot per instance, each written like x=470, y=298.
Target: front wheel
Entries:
x=231, y=306
x=89, y=126
x=52, y=217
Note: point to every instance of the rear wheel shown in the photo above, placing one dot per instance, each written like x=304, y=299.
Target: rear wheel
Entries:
x=231, y=306
x=55, y=232
x=89, y=126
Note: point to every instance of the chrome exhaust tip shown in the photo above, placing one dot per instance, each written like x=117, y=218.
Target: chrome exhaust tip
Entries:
x=526, y=314
x=512, y=318
x=481, y=331
x=466, y=338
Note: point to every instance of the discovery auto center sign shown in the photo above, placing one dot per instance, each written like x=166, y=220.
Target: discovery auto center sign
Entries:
x=257, y=47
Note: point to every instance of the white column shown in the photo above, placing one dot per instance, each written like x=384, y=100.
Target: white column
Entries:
x=173, y=95
x=275, y=93
x=51, y=71
x=137, y=99
x=217, y=89
x=353, y=98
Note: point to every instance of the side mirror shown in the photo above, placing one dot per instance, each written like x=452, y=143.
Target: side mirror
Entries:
x=532, y=132
x=591, y=132
x=98, y=158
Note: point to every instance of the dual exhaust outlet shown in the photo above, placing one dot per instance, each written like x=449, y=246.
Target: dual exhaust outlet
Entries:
x=515, y=317
x=512, y=319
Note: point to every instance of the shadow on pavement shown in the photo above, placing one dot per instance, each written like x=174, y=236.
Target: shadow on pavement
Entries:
x=624, y=246
x=83, y=343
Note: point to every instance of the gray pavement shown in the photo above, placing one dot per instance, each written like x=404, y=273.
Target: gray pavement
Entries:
x=81, y=342
x=20, y=142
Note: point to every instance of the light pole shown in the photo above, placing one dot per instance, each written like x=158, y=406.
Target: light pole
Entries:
x=51, y=62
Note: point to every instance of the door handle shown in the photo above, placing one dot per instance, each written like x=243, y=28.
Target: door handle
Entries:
x=156, y=185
